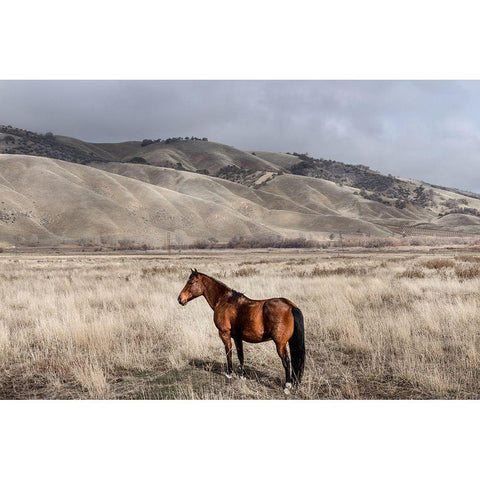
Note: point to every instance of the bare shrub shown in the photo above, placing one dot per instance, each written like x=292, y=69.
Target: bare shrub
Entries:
x=325, y=272
x=85, y=242
x=438, y=263
x=379, y=243
x=126, y=244
x=467, y=258
x=246, y=272
x=161, y=270
x=352, y=240
x=469, y=272
x=412, y=272
x=271, y=242
x=201, y=245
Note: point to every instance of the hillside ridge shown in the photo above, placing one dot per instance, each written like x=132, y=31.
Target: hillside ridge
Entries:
x=231, y=194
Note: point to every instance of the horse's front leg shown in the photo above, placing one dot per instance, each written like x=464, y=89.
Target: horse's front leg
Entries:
x=239, y=346
x=227, y=341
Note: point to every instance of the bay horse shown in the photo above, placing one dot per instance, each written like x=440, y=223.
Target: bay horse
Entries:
x=253, y=321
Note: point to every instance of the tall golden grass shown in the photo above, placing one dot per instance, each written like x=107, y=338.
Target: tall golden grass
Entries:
x=109, y=327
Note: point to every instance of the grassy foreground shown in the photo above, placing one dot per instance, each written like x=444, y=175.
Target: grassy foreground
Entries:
x=378, y=325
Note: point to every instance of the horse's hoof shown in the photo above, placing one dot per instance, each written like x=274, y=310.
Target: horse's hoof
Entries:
x=243, y=377
x=228, y=375
x=288, y=387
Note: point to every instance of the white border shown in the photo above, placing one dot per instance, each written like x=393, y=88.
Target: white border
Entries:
x=239, y=40
x=239, y=439
x=252, y=39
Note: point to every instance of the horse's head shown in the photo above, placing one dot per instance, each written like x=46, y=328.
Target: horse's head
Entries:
x=192, y=289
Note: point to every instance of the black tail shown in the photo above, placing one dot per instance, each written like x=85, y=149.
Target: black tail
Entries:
x=297, y=345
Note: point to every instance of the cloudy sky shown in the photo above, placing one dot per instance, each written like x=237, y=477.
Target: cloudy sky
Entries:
x=423, y=129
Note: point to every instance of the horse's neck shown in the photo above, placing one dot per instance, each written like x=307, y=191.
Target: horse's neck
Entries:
x=214, y=291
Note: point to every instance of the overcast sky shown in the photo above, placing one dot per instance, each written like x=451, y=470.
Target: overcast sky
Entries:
x=423, y=129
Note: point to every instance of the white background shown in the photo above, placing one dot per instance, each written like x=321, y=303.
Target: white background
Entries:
x=239, y=40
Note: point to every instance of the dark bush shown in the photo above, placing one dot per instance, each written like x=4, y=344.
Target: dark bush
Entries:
x=272, y=242
x=438, y=263
x=201, y=244
x=461, y=210
x=138, y=160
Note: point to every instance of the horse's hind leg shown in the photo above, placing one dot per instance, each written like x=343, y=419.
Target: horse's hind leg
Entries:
x=227, y=341
x=283, y=354
x=239, y=347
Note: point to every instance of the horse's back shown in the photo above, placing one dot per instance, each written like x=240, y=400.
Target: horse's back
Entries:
x=258, y=320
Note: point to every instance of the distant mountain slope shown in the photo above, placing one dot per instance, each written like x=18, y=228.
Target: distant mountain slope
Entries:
x=196, y=155
x=105, y=151
x=274, y=208
x=203, y=186
x=282, y=160
x=292, y=203
x=196, y=189
x=187, y=154
x=192, y=155
x=320, y=195
x=49, y=201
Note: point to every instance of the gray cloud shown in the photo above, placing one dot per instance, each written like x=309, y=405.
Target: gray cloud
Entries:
x=420, y=129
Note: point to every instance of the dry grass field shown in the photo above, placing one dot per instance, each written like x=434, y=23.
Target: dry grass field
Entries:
x=384, y=325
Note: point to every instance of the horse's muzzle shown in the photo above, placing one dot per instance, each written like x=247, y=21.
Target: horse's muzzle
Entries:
x=180, y=302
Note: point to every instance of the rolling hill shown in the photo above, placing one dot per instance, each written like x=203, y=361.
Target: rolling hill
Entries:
x=57, y=190
x=51, y=201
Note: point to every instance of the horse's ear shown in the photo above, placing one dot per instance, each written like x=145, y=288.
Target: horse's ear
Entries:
x=195, y=270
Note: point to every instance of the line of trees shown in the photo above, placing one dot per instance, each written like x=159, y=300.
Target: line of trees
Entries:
x=148, y=141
